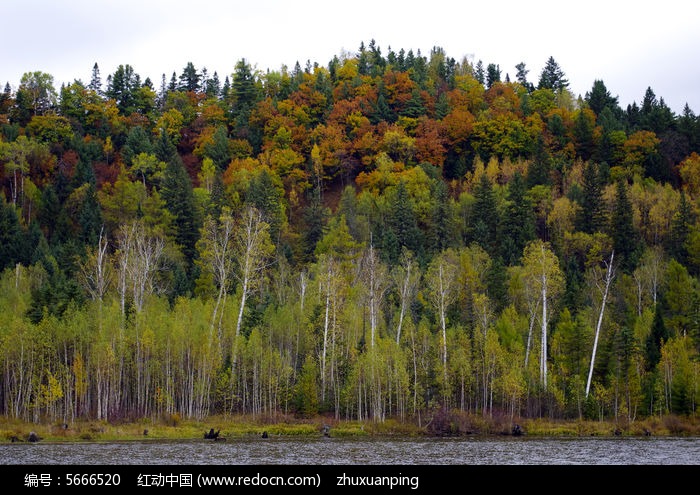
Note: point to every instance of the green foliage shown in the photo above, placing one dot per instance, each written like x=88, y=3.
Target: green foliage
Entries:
x=374, y=150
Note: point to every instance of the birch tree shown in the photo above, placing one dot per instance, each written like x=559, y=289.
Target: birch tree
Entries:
x=375, y=280
x=441, y=288
x=542, y=271
x=216, y=247
x=95, y=272
x=604, y=287
x=405, y=278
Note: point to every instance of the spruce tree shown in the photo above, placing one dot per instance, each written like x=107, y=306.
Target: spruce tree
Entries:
x=591, y=216
x=552, y=77
x=403, y=225
x=622, y=232
x=518, y=222
x=680, y=230
x=179, y=200
x=485, y=217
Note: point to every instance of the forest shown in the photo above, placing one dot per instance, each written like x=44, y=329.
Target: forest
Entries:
x=383, y=237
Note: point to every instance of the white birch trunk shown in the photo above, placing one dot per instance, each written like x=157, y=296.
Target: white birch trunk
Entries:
x=608, y=278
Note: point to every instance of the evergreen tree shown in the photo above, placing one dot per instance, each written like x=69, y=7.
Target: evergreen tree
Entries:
x=267, y=198
x=219, y=150
x=485, y=217
x=689, y=127
x=90, y=217
x=538, y=173
x=95, y=80
x=625, y=240
x=552, y=77
x=121, y=88
x=497, y=284
x=658, y=335
x=383, y=112
x=190, y=80
x=442, y=106
x=518, y=221
x=179, y=200
x=11, y=236
x=414, y=107
x=402, y=226
x=680, y=230
x=137, y=141
x=164, y=148
x=493, y=75
x=583, y=136
x=315, y=217
x=443, y=231
x=591, y=215
x=172, y=86
x=599, y=98
x=521, y=77
x=479, y=73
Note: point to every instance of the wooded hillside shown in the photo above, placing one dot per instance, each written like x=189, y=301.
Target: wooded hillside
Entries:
x=380, y=237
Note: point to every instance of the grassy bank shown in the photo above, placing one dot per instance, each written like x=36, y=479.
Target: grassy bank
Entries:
x=228, y=427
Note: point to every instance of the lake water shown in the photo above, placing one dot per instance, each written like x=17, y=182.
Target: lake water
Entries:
x=365, y=451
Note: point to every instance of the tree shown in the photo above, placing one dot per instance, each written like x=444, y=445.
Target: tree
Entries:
x=609, y=275
x=36, y=94
x=591, y=215
x=219, y=150
x=245, y=96
x=95, y=80
x=402, y=225
x=217, y=257
x=137, y=142
x=552, y=77
x=189, y=79
x=680, y=230
x=625, y=239
x=441, y=290
x=374, y=277
x=657, y=337
x=122, y=86
x=485, y=216
x=521, y=77
x=543, y=273
x=518, y=222
x=493, y=75
x=405, y=276
x=252, y=249
x=179, y=200
x=599, y=98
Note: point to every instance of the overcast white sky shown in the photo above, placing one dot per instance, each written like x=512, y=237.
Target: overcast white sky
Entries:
x=628, y=45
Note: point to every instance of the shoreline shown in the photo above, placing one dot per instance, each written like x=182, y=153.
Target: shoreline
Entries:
x=244, y=427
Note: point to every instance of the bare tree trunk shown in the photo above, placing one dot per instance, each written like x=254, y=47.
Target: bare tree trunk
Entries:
x=608, y=278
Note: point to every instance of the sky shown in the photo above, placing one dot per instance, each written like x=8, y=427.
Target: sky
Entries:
x=630, y=46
